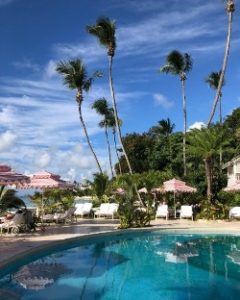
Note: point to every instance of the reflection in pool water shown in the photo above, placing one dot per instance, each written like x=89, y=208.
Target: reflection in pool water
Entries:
x=142, y=266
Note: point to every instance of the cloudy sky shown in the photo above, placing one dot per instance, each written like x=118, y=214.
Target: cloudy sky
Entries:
x=39, y=123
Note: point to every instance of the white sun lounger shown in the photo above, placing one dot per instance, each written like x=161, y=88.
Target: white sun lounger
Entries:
x=162, y=211
x=234, y=212
x=107, y=210
x=83, y=209
x=186, y=212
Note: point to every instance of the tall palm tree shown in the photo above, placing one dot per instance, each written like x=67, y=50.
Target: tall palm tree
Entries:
x=104, y=30
x=75, y=77
x=102, y=108
x=111, y=123
x=230, y=8
x=207, y=143
x=213, y=81
x=179, y=64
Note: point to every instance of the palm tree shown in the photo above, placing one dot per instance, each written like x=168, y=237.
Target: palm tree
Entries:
x=166, y=127
x=99, y=184
x=207, y=143
x=230, y=7
x=104, y=30
x=213, y=81
x=180, y=64
x=102, y=108
x=9, y=199
x=75, y=77
x=111, y=123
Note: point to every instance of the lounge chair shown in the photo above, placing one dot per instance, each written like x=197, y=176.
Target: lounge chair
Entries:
x=83, y=209
x=234, y=212
x=47, y=218
x=14, y=224
x=65, y=217
x=162, y=211
x=107, y=210
x=186, y=211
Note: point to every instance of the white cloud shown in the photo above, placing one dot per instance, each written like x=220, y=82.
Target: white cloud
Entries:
x=26, y=64
x=197, y=125
x=163, y=101
x=46, y=117
x=159, y=32
x=43, y=160
x=50, y=70
x=7, y=139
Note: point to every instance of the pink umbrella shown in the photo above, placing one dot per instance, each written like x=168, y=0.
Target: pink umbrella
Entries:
x=10, y=177
x=177, y=186
x=233, y=187
x=46, y=180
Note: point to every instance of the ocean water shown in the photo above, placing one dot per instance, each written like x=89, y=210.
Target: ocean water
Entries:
x=150, y=265
x=24, y=195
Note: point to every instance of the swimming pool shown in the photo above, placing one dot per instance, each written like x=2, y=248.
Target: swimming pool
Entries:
x=146, y=265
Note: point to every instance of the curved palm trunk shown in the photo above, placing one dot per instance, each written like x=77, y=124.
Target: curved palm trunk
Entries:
x=184, y=125
x=114, y=104
x=87, y=137
x=116, y=114
x=225, y=61
x=109, y=150
x=221, y=121
x=115, y=144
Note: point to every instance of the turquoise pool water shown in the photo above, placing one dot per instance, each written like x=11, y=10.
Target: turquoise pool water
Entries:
x=149, y=265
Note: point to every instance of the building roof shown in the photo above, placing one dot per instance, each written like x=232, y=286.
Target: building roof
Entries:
x=231, y=162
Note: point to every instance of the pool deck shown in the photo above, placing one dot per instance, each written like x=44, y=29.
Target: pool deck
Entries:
x=15, y=246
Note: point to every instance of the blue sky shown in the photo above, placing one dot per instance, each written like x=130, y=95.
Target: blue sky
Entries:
x=39, y=124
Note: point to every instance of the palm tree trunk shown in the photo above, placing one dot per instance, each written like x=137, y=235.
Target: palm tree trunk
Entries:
x=225, y=61
x=109, y=150
x=116, y=114
x=114, y=104
x=208, y=171
x=184, y=126
x=115, y=144
x=221, y=121
x=87, y=137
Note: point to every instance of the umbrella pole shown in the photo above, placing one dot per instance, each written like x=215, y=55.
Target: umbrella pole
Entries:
x=174, y=204
x=42, y=208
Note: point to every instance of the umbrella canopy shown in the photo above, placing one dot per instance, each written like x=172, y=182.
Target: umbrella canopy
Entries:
x=10, y=177
x=177, y=186
x=47, y=180
x=233, y=187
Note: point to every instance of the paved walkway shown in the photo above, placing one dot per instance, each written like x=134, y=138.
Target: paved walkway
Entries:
x=12, y=247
